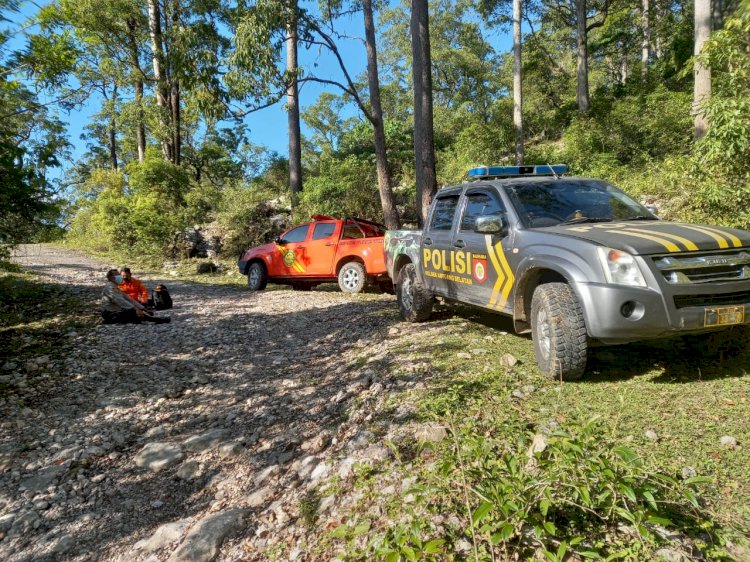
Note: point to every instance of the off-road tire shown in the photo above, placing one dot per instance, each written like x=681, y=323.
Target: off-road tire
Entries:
x=559, y=332
x=414, y=300
x=352, y=277
x=257, y=277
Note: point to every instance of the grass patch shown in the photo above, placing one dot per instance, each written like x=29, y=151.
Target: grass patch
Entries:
x=601, y=489
x=35, y=319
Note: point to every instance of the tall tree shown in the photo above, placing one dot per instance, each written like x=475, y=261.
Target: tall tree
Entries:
x=160, y=77
x=701, y=71
x=292, y=105
x=390, y=213
x=646, y=40
x=517, y=81
x=424, y=144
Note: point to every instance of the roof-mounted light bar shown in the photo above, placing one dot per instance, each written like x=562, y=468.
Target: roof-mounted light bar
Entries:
x=487, y=172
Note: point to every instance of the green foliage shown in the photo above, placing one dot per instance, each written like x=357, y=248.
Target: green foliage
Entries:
x=345, y=187
x=630, y=130
x=548, y=496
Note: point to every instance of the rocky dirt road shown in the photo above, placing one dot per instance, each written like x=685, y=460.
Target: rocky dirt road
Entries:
x=196, y=440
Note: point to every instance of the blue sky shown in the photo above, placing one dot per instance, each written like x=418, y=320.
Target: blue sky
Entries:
x=268, y=127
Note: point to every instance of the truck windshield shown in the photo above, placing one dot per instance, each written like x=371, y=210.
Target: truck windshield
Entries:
x=563, y=201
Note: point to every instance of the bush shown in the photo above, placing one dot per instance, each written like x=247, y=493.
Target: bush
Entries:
x=548, y=497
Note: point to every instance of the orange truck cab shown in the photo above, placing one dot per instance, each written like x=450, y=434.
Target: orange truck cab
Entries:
x=348, y=250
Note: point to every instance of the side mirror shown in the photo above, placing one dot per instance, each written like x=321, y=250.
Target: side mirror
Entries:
x=492, y=224
x=279, y=240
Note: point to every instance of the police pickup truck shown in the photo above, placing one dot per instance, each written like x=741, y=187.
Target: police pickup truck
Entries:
x=574, y=261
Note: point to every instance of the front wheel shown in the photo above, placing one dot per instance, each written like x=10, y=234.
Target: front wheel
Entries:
x=559, y=332
x=257, y=277
x=414, y=300
x=352, y=277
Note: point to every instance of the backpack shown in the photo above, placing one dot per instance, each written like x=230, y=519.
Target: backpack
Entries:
x=162, y=299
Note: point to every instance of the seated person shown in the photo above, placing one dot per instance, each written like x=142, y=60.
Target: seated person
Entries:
x=133, y=287
x=119, y=308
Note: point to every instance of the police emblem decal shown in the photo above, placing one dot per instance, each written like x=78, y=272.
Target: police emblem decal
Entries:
x=289, y=258
x=479, y=270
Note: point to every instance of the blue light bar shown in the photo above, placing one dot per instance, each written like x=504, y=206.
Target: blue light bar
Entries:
x=484, y=172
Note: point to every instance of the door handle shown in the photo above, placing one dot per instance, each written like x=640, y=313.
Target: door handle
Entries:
x=330, y=243
x=459, y=244
x=300, y=247
x=427, y=242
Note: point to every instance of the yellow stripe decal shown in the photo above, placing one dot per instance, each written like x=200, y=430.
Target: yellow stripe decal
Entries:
x=504, y=284
x=496, y=265
x=684, y=241
x=719, y=239
x=670, y=246
x=736, y=242
x=508, y=277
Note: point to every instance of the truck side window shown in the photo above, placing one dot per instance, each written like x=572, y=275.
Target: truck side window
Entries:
x=296, y=234
x=442, y=215
x=478, y=205
x=352, y=231
x=323, y=230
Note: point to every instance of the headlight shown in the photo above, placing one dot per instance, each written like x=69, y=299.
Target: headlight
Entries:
x=620, y=268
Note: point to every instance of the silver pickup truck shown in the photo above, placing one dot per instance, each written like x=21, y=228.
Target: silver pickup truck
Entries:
x=575, y=261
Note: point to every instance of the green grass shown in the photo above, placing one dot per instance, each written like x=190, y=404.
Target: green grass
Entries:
x=689, y=400
x=36, y=317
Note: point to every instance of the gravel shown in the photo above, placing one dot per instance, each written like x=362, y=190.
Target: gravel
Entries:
x=195, y=440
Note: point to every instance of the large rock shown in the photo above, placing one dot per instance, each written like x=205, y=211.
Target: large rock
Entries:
x=203, y=541
x=205, y=441
x=158, y=456
x=163, y=536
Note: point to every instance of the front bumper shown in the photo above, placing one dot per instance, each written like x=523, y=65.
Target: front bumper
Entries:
x=654, y=316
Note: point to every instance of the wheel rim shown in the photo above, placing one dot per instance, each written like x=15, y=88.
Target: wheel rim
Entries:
x=351, y=279
x=544, y=334
x=254, y=278
x=406, y=296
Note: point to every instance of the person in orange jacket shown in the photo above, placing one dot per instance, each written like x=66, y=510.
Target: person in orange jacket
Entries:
x=133, y=287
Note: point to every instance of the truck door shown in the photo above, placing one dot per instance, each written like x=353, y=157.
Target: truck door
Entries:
x=436, y=244
x=321, y=248
x=490, y=277
x=290, y=258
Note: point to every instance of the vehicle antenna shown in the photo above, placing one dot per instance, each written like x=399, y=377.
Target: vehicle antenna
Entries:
x=554, y=173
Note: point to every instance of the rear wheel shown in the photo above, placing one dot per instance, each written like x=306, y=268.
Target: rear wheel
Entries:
x=352, y=277
x=559, y=332
x=257, y=277
x=414, y=300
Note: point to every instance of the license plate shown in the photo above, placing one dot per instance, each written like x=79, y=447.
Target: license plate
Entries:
x=724, y=316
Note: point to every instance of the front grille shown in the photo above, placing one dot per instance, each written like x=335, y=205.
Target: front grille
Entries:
x=706, y=268
x=740, y=297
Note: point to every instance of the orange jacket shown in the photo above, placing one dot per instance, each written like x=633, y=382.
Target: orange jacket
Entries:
x=134, y=289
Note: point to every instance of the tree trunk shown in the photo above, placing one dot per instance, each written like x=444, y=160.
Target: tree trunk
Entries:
x=140, y=130
x=390, y=213
x=175, y=107
x=517, y=91
x=292, y=102
x=701, y=73
x=424, y=146
x=645, y=41
x=113, y=130
x=162, y=90
x=582, y=55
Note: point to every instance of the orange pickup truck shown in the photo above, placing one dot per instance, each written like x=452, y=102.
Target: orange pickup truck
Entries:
x=349, y=250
